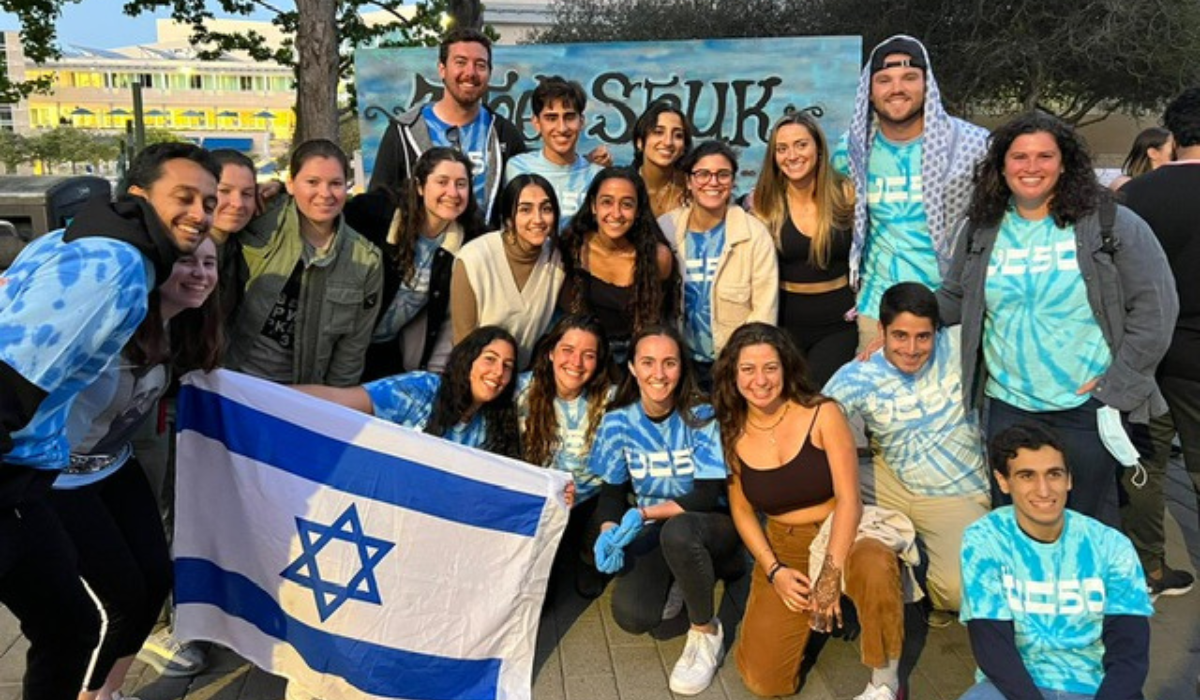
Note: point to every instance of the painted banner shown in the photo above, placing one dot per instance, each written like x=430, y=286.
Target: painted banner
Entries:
x=355, y=557
x=731, y=89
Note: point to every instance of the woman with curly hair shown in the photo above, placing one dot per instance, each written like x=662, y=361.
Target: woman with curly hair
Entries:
x=471, y=404
x=420, y=231
x=1065, y=315
x=792, y=458
x=659, y=441
x=618, y=264
x=662, y=136
x=559, y=406
x=809, y=209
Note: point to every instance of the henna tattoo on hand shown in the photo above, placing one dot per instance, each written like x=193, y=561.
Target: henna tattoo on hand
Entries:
x=829, y=585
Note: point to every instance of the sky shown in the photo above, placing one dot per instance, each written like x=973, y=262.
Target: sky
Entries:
x=100, y=24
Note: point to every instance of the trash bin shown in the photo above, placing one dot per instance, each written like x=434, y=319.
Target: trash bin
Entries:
x=37, y=205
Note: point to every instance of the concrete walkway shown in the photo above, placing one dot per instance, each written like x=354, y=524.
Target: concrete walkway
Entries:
x=583, y=655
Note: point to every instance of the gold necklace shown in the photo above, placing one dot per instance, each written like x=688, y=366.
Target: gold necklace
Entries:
x=770, y=428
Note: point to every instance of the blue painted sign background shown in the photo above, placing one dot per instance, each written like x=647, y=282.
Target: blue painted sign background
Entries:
x=731, y=89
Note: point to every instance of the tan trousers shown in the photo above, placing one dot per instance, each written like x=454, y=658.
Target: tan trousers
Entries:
x=772, y=638
x=940, y=521
x=868, y=330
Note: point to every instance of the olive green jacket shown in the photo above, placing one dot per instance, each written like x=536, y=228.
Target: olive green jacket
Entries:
x=339, y=298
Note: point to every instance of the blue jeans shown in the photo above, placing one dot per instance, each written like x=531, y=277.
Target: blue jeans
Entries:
x=986, y=691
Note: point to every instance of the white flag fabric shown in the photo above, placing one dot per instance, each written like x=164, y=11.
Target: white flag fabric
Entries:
x=355, y=557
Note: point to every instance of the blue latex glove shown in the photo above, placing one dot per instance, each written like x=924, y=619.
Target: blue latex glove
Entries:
x=610, y=557
x=631, y=525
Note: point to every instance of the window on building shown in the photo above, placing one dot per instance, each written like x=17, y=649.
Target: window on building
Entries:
x=6, y=117
x=245, y=83
x=196, y=82
x=147, y=80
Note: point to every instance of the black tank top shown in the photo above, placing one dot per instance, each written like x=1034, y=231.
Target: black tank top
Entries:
x=793, y=255
x=803, y=481
x=610, y=304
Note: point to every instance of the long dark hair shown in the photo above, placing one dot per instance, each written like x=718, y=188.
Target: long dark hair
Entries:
x=728, y=402
x=541, y=438
x=510, y=198
x=193, y=339
x=1077, y=193
x=650, y=301
x=686, y=397
x=454, y=398
x=409, y=220
x=646, y=123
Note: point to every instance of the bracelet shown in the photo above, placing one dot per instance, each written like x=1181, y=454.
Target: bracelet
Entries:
x=774, y=570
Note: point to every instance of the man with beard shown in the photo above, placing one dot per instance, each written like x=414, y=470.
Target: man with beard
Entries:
x=912, y=167
x=459, y=120
x=68, y=305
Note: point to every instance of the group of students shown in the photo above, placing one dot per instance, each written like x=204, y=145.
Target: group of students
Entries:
x=663, y=342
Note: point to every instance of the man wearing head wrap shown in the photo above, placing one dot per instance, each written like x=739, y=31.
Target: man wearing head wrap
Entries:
x=911, y=164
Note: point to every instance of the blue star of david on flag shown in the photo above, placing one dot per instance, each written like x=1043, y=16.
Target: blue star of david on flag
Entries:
x=306, y=571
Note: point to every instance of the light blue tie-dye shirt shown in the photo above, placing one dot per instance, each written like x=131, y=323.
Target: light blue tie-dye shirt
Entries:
x=411, y=296
x=407, y=400
x=1056, y=594
x=1040, y=340
x=570, y=182
x=66, y=309
x=917, y=420
x=472, y=141
x=701, y=254
x=662, y=459
x=898, y=247
x=572, y=453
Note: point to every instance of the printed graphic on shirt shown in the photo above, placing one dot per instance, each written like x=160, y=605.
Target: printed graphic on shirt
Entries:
x=1040, y=340
x=661, y=459
x=702, y=253
x=1056, y=594
x=472, y=140
x=411, y=296
x=917, y=420
x=571, y=456
x=898, y=245
x=280, y=324
x=570, y=182
x=66, y=309
x=407, y=400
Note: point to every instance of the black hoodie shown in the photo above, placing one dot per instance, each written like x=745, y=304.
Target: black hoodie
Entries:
x=132, y=220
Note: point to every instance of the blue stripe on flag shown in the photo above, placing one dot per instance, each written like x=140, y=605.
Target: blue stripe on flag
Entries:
x=372, y=668
x=346, y=467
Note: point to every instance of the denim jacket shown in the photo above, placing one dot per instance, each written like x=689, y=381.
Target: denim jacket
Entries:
x=1131, y=292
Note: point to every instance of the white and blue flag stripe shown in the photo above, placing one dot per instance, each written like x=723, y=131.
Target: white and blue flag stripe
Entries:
x=353, y=556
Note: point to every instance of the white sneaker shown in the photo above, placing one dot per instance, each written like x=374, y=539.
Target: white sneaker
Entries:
x=701, y=656
x=172, y=658
x=876, y=692
x=674, y=604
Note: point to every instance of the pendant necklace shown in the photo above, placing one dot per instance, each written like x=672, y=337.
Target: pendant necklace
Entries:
x=770, y=429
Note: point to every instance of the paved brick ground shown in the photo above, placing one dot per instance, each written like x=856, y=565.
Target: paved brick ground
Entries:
x=583, y=655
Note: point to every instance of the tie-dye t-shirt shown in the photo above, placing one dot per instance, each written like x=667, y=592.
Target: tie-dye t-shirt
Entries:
x=662, y=459
x=411, y=296
x=1056, y=594
x=66, y=309
x=570, y=182
x=571, y=456
x=701, y=254
x=898, y=248
x=472, y=140
x=1040, y=340
x=917, y=420
x=407, y=400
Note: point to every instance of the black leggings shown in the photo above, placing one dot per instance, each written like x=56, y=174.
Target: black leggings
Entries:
x=123, y=557
x=40, y=584
x=693, y=549
x=818, y=327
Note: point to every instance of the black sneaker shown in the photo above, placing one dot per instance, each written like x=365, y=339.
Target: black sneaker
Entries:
x=1170, y=582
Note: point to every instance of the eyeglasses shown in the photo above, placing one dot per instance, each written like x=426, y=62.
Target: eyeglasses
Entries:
x=454, y=136
x=724, y=177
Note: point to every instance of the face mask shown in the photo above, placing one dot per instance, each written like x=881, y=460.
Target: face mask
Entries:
x=1114, y=437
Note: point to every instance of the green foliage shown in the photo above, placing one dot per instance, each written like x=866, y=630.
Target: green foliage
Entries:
x=14, y=149
x=39, y=36
x=656, y=20
x=66, y=144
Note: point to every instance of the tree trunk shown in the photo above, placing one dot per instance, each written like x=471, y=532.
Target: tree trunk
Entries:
x=467, y=13
x=316, y=70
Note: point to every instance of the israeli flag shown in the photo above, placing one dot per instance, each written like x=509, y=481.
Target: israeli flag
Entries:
x=357, y=558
